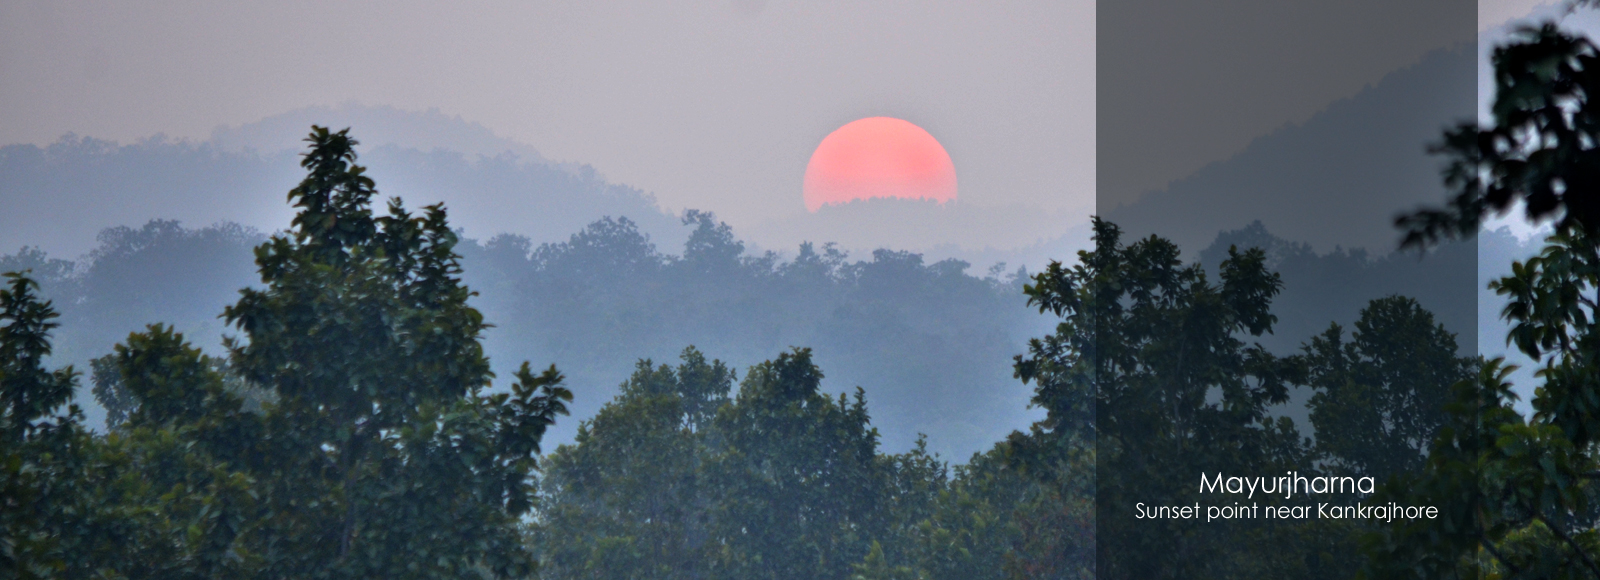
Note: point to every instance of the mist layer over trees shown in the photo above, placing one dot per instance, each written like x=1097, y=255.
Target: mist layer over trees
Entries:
x=351, y=429
x=61, y=195
x=931, y=343
x=608, y=297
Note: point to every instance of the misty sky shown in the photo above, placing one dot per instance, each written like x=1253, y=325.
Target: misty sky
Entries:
x=710, y=104
x=713, y=104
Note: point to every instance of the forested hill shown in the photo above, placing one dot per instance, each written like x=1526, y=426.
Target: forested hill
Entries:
x=1337, y=179
x=59, y=196
x=930, y=343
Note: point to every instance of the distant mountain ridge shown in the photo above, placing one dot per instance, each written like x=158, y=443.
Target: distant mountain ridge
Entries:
x=1336, y=180
x=60, y=196
x=375, y=126
x=979, y=234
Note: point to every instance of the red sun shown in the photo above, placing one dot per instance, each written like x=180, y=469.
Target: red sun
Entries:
x=878, y=157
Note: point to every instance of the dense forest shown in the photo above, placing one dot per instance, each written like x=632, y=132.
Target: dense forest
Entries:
x=931, y=342
x=353, y=426
x=353, y=419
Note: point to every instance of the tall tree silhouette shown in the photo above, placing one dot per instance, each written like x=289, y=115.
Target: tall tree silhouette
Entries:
x=1147, y=367
x=1516, y=493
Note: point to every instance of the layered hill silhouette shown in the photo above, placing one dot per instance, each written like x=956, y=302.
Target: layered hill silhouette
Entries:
x=60, y=196
x=1338, y=179
x=929, y=338
x=377, y=126
x=980, y=234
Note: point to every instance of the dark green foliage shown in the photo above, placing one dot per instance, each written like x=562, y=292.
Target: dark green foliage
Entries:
x=404, y=467
x=36, y=440
x=631, y=498
x=1516, y=492
x=168, y=499
x=1147, y=381
x=1148, y=370
x=799, y=468
x=1011, y=512
x=781, y=481
x=151, y=502
x=1539, y=150
x=1148, y=376
x=109, y=391
x=350, y=435
x=927, y=336
x=170, y=380
x=1552, y=320
x=1520, y=490
x=786, y=482
x=113, y=394
x=1381, y=396
x=32, y=395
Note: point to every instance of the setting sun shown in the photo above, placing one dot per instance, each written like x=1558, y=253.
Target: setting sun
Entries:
x=878, y=157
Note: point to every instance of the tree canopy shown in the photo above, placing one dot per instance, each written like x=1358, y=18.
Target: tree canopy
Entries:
x=376, y=448
x=352, y=429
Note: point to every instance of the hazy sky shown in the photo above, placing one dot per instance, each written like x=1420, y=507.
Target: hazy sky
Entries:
x=711, y=104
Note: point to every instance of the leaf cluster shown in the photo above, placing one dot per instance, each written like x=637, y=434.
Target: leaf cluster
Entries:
x=349, y=433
